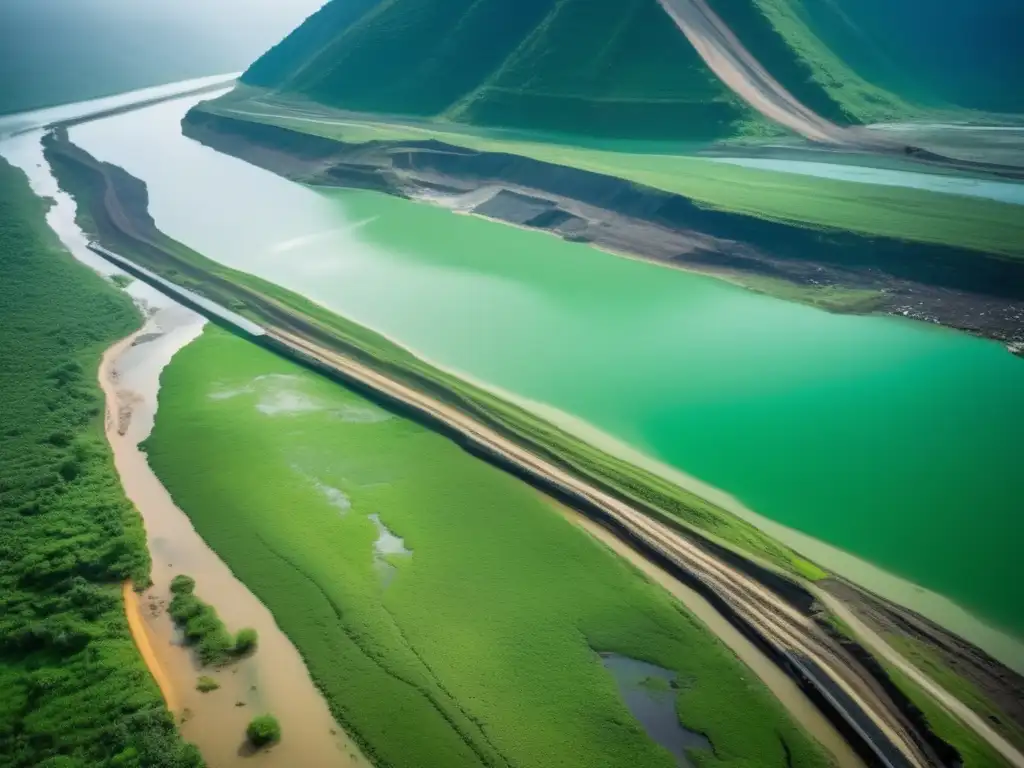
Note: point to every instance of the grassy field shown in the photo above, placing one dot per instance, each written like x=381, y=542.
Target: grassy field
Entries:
x=872, y=210
x=74, y=691
x=483, y=645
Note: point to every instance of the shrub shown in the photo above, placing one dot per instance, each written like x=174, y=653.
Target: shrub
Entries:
x=199, y=621
x=205, y=684
x=245, y=641
x=263, y=730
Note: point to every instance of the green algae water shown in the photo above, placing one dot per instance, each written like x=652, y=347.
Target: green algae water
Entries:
x=892, y=440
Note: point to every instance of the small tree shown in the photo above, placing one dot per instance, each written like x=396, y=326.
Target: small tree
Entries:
x=263, y=730
x=245, y=641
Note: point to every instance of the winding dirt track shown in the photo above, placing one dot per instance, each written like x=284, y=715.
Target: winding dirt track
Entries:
x=738, y=69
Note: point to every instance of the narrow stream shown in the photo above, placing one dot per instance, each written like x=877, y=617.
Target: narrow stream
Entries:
x=274, y=679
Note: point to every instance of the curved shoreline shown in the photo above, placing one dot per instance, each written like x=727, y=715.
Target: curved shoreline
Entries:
x=137, y=627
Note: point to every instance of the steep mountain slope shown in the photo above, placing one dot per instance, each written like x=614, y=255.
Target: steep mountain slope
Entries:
x=611, y=67
x=624, y=68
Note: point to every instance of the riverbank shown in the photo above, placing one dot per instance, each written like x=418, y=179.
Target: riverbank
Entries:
x=919, y=269
x=140, y=636
x=274, y=679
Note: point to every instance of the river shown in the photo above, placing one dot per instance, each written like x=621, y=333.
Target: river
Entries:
x=886, y=441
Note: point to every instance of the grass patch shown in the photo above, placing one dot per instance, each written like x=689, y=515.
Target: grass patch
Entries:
x=73, y=689
x=203, y=628
x=205, y=684
x=122, y=281
x=483, y=638
x=658, y=684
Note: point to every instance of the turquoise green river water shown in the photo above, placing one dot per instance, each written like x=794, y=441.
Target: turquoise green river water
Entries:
x=893, y=440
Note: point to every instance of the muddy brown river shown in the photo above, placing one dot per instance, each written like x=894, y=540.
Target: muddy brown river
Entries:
x=274, y=679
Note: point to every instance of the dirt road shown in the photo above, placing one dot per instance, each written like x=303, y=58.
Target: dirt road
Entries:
x=738, y=69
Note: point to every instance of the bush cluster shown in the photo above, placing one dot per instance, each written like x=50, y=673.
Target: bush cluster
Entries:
x=263, y=731
x=203, y=628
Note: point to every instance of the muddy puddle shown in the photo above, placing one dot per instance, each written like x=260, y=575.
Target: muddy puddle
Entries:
x=274, y=679
x=649, y=693
x=800, y=708
x=386, y=547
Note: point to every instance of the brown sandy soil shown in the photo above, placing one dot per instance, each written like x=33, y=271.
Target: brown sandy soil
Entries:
x=140, y=634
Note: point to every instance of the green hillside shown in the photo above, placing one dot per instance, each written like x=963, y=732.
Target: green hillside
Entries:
x=606, y=67
x=622, y=68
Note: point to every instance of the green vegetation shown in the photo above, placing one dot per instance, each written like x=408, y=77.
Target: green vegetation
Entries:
x=485, y=637
x=263, y=731
x=205, y=684
x=203, y=628
x=914, y=215
x=925, y=659
x=777, y=34
x=122, y=281
x=245, y=641
x=74, y=691
x=595, y=67
x=975, y=751
x=659, y=684
x=876, y=56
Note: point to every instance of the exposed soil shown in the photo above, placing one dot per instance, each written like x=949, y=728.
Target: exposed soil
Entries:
x=976, y=292
x=999, y=684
